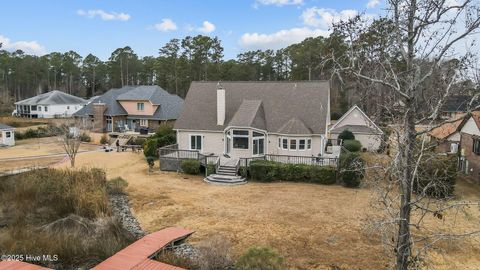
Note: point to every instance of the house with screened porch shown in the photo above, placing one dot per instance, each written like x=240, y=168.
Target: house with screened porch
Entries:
x=231, y=123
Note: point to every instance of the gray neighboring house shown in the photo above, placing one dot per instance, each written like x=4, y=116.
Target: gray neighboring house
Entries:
x=251, y=119
x=7, y=135
x=364, y=129
x=131, y=108
x=53, y=104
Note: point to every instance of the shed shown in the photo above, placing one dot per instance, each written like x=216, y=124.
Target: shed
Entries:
x=7, y=135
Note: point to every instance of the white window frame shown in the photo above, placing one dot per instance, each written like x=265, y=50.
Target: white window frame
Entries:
x=140, y=106
x=290, y=144
x=283, y=140
x=8, y=134
x=190, y=142
x=143, y=122
x=46, y=108
x=240, y=136
x=304, y=144
x=309, y=144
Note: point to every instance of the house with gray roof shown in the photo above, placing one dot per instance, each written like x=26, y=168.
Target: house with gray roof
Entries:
x=53, y=104
x=237, y=120
x=362, y=127
x=131, y=108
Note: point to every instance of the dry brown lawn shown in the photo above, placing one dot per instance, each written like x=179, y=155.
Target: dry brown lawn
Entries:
x=313, y=226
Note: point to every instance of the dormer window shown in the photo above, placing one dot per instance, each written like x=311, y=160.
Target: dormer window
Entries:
x=140, y=106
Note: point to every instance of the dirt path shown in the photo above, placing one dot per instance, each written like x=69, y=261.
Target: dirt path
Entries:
x=313, y=226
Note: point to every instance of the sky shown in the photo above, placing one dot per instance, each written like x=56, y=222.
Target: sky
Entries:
x=99, y=27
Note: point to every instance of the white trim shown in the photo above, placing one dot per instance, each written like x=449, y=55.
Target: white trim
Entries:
x=348, y=112
x=198, y=130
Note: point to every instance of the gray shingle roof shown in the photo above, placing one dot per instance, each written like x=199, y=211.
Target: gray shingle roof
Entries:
x=281, y=101
x=295, y=126
x=249, y=114
x=356, y=128
x=54, y=97
x=3, y=126
x=169, y=105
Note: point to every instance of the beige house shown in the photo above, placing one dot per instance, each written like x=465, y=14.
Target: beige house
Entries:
x=250, y=119
x=364, y=129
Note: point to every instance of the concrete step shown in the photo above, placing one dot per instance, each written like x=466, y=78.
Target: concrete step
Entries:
x=225, y=180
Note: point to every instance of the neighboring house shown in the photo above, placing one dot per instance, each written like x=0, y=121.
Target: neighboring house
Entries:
x=364, y=129
x=447, y=136
x=7, y=135
x=456, y=106
x=470, y=146
x=52, y=104
x=131, y=108
x=251, y=119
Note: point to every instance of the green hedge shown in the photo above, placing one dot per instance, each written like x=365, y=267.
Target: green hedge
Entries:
x=352, y=169
x=269, y=171
x=210, y=169
x=352, y=145
x=190, y=166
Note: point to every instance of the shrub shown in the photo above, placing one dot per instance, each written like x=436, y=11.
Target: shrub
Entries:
x=436, y=176
x=214, y=253
x=164, y=136
x=178, y=260
x=263, y=171
x=351, y=169
x=151, y=162
x=84, y=137
x=150, y=148
x=190, y=166
x=322, y=175
x=104, y=139
x=210, y=168
x=30, y=133
x=117, y=185
x=139, y=141
x=352, y=145
x=346, y=135
x=260, y=258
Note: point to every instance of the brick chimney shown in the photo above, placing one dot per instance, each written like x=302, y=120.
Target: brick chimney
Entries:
x=99, y=121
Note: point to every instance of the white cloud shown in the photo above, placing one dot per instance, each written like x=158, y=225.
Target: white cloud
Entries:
x=279, y=39
x=207, y=27
x=166, y=25
x=373, y=3
x=28, y=47
x=278, y=3
x=112, y=16
x=324, y=18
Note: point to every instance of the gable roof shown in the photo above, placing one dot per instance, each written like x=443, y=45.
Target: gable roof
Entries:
x=459, y=103
x=372, y=128
x=447, y=129
x=169, y=105
x=295, y=126
x=54, y=97
x=249, y=114
x=3, y=126
x=280, y=101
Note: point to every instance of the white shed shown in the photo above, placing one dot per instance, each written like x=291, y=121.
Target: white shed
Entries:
x=7, y=135
x=364, y=129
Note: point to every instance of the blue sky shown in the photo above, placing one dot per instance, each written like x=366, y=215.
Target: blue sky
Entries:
x=99, y=27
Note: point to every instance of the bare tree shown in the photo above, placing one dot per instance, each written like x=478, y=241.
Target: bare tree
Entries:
x=71, y=142
x=420, y=37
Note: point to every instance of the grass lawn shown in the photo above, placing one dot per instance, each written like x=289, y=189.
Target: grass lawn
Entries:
x=313, y=226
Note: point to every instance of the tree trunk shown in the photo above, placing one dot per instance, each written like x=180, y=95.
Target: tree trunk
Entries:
x=121, y=72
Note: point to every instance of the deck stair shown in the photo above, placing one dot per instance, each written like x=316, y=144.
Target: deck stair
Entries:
x=226, y=173
x=122, y=140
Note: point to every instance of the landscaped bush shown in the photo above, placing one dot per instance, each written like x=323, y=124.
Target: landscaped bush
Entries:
x=190, y=166
x=214, y=253
x=260, y=258
x=263, y=171
x=436, y=176
x=268, y=171
x=210, y=169
x=346, y=135
x=352, y=145
x=164, y=136
x=84, y=137
x=117, y=185
x=151, y=162
x=352, y=169
x=104, y=139
x=139, y=141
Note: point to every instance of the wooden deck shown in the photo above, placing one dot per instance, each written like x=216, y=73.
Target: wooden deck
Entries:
x=137, y=255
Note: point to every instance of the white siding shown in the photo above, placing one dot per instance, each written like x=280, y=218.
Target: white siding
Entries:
x=64, y=110
x=212, y=141
x=455, y=137
x=369, y=141
x=355, y=117
x=7, y=140
x=470, y=127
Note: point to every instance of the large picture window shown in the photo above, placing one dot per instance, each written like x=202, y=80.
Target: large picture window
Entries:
x=196, y=142
x=240, y=139
x=476, y=146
